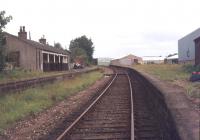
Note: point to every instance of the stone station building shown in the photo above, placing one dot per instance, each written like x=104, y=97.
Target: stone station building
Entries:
x=32, y=55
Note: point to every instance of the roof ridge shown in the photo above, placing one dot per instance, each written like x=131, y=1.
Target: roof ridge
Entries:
x=131, y=55
x=39, y=45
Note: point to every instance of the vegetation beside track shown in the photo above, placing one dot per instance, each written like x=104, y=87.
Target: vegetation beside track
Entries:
x=176, y=73
x=20, y=74
x=17, y=106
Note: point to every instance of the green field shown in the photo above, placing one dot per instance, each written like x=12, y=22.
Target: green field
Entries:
x=19, y=105
x=177, y=74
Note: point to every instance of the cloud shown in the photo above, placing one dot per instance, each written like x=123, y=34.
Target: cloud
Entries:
x=161, y=36
x=117, y=27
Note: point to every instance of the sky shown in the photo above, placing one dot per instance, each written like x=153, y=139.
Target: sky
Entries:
x=116, y=27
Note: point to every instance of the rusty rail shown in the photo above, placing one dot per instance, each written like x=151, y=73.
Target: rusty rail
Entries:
x=63, y=135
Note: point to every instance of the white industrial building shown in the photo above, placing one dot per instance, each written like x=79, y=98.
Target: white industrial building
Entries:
x=153, y=59
x=173, y=59
x=104, y=61
x=186, y=47
x=128, y=60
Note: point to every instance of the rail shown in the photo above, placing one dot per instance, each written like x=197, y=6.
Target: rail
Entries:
x=95, y=101
x=67, y=130
x=132, y=109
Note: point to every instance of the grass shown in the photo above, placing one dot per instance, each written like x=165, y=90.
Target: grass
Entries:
x=20, y=74
x=14, y=107
x=176, y=73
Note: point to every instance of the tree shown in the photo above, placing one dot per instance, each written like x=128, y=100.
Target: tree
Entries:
x=3, y=21
x=85, y=44
x=58, y=45
x=78, y=54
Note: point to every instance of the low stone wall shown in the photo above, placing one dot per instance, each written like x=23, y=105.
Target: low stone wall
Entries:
x=156, y=102
x=171, y=100
x=24, y=84
x=186, y=118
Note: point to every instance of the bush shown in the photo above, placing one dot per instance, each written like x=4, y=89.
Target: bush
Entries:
x=3, y=21
x=191, y=68
x=2, y=56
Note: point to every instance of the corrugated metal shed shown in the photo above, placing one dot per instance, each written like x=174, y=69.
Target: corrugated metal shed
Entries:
x=186, y=46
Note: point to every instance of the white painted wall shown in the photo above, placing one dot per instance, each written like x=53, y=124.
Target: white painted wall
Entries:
x=186, y=46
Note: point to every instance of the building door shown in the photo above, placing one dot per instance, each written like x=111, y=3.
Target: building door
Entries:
x=45, y=62
x=197, y=51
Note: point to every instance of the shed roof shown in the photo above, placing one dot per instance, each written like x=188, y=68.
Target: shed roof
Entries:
x=130, y=56
x=193, y=35
x=40, y=46
x=173, y=57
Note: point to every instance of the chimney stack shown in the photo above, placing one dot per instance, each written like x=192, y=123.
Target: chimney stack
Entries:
x=42, y=40
x=22, y=33
x=20, y=29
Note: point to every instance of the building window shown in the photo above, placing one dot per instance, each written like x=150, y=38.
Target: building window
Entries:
x=13, y=58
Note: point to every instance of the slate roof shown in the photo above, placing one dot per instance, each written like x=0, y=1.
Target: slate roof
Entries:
x=40, y=46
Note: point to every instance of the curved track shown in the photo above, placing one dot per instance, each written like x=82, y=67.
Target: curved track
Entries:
x=108, y=117
x=124, y=112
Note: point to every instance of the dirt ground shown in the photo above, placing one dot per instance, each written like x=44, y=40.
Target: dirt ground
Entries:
x=39, y=125
x=193, y=93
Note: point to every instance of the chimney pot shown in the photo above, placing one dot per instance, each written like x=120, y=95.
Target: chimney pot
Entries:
x=20, y=29
x=22, y=33
x=23, y=28
x=42, y=40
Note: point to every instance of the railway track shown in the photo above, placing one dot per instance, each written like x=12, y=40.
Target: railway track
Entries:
x=128, y=108
x=109, y=116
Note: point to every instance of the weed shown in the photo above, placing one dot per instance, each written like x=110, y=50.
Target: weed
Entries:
x=174, y=73
x=14, y=107
x=20, y=74
x=53, y=98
